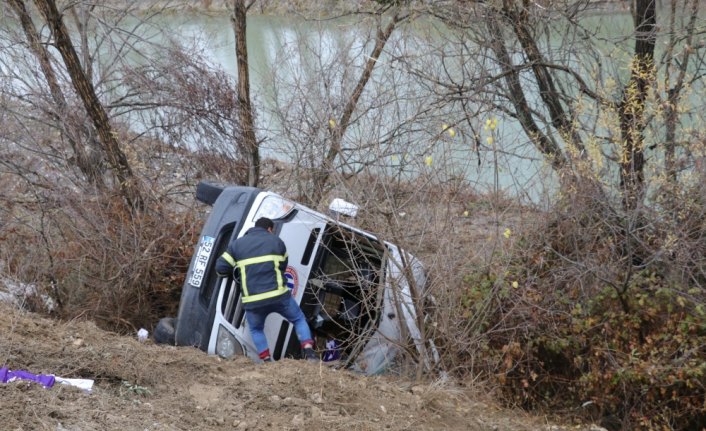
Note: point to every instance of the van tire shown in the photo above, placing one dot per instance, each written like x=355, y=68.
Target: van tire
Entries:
x=207, y=192
x=164, y=332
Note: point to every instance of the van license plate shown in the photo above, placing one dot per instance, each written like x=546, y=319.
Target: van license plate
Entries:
x=201, y=262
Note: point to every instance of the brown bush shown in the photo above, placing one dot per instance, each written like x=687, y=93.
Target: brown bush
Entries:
x=606, y=319
x=94, y=259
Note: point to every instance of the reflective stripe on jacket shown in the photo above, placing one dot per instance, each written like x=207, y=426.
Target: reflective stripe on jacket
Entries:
x=261, y=259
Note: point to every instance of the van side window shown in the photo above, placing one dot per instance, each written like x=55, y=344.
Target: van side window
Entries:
x=220, y=246
x=306, y=257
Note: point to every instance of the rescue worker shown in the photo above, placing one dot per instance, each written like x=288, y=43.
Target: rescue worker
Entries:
x=261, y=259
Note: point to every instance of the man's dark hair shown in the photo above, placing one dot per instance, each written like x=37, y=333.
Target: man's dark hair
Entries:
x=264, y=223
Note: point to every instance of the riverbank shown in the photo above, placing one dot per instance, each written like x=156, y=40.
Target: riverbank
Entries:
x=308, y=8
x=326, y=8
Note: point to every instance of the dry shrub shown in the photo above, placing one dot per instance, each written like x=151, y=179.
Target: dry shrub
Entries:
x=125, y=271
x=219, y=167
x=94, y=259
x=606, y=320
x=445, y=225
x=453, y=230
x=458, y=234
x=65, y=235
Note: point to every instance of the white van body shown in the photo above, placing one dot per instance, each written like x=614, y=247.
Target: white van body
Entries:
x=349, y=284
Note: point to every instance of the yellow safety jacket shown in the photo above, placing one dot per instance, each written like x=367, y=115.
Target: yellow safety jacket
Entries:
x=261, y=260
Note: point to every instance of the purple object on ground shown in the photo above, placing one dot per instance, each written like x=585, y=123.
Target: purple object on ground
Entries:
x=7, y=376
x=332, y=352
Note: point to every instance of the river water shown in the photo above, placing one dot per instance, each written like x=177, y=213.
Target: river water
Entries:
x=300, y=71
x=292, y=51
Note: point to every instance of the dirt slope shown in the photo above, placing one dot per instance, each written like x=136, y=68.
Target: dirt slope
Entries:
x=143, y=386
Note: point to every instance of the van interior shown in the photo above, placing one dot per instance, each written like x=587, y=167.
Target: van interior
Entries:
x=343, y=296
x=342, y=299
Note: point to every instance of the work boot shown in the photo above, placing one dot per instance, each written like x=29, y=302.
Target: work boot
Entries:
x=310, y=355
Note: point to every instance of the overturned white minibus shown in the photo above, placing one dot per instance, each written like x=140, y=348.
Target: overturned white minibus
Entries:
x=350, y=285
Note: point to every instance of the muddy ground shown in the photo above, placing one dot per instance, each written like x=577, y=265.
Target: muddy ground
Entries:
x=144, y=386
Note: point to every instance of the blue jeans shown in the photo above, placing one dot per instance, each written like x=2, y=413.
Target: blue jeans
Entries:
x=289, y=309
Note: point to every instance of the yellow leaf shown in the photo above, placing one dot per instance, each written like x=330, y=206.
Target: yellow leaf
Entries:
x=507, y=233
x=445, y=127
x=428, y=161
x=332, y=123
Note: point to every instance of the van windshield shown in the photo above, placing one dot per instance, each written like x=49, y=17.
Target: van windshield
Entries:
x=273, y=207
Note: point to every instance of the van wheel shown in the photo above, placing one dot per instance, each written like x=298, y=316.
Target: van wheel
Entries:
x=164, y=332
x=207, y=192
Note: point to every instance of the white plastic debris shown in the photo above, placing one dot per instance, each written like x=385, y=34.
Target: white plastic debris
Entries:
x=341, y=207
x=84, y=384
x=142, y=335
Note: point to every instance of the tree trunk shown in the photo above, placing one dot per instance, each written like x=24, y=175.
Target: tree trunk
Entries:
x=632, y=106
x=70, y=131
x=339, y=130
x=245, y=106
x=547, y=89
x=674, y=92
x=81, y=22
x=116, y=158
x=542, y=142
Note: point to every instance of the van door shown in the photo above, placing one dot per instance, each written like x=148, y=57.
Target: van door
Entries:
x=301, y=232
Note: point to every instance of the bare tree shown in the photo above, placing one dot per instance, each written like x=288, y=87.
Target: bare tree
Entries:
x=544, y=85
x=101, y=245
x=322, y=100
x=632, y=105
x=250, y=143
x=675, y=86
x=89, y=166
x=547, y=146
x=338, y=129
x=84, y=87
x=191, y=105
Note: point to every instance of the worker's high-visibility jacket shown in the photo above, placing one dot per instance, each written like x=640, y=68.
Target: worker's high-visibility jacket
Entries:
x=261, y=260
